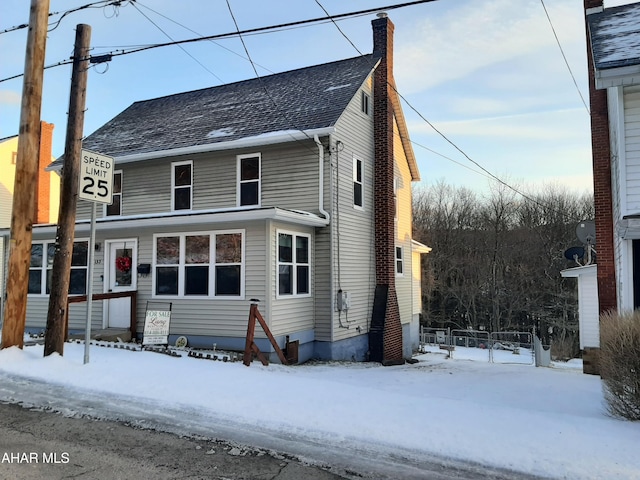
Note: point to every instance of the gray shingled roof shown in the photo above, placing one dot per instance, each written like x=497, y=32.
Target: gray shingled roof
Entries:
x=308, y=98
x=615, y=36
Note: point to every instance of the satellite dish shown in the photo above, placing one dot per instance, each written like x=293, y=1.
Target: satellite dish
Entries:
x=586, y=232
x=574, y=253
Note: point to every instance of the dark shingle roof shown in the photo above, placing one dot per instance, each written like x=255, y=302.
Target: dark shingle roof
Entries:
x=615, y=36
x=308, y=98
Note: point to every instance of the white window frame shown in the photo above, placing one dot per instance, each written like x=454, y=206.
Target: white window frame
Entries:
x=359, y=182
x=396, y=183
x=294, y=264
x=118, y=194
x=399, y=260
x=365, y=103
x=44, y=268
x=241, y=182
x=211, y=264
x=175, y=187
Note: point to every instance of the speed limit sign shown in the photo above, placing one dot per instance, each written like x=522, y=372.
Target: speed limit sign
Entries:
x=96, y=177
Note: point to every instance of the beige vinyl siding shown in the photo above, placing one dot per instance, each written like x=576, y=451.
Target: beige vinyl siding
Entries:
x=296, y=313
x=352, y=228
x=290, y=176
x=208, y=316
x=403, y=228
x=289, y=180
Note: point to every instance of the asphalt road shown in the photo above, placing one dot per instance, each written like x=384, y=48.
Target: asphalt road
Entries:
x=37, y=445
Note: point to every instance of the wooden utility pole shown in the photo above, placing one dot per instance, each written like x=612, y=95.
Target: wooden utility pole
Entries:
x=65, y=234
x=24, y=192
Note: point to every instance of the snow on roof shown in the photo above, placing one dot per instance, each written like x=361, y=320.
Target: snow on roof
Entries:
x=615, y=36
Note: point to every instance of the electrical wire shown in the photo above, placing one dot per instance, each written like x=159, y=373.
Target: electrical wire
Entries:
x=566, y=62
x=444, y=137
x=179, y=46
x=218, y=44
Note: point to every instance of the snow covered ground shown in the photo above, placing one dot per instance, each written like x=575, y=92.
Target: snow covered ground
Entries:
x=550, y=422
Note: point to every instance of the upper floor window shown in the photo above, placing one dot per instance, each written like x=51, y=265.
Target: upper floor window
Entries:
x=199, y=264
x=399, y=262
x=358, y=175
x=41, y=268
x=249, y=175
x=116, y=204
x=293, y=264
x=181, y=185
x=366, y=103
x=396, y=183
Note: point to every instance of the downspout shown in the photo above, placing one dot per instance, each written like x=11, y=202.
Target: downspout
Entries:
x=328, y=218
x=323, y=212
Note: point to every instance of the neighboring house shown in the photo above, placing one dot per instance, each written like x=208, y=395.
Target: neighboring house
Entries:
x=47, y=198
x=614, y=87
x=294, y=189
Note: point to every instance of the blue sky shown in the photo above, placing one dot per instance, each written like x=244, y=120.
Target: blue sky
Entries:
x=488, y=74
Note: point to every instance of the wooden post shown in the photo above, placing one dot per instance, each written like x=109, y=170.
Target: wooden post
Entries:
x=250, y=347
x=24, y=192
x=55, y=331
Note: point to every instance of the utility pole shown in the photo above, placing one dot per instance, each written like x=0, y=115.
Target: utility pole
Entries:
x=65, y=234
x=22, y=215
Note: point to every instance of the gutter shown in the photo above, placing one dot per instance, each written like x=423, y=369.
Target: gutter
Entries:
x=255, y=141
x=321, y=178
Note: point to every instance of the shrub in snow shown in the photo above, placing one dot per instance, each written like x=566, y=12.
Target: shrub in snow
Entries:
x=620, y=363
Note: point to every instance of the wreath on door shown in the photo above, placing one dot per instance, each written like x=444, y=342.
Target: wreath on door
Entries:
x=123, y=264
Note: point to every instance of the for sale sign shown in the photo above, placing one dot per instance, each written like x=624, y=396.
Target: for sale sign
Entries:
x=156, y=327
x=96, y=177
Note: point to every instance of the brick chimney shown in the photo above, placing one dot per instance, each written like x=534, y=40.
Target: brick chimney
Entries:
x=603, y=195
x=43, y=196
x=385, y=334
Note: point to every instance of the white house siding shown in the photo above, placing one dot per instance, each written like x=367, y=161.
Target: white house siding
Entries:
x=353, y=228
x=588, y=311
x=632, y=149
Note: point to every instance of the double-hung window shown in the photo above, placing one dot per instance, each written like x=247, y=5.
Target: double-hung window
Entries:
x=358, y=175
x=249, y=179
x=399, y=262
x=115, y=209
x=41, y=267
x=181, y=185
x=209, y=264
x=294, y=272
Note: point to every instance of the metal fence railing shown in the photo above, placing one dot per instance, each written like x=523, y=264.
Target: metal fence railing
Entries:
x=495, y=347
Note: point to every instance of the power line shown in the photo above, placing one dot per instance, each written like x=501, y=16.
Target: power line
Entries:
x=443, y=136
x=566, y=62
x=100, y=4
x=179, y=46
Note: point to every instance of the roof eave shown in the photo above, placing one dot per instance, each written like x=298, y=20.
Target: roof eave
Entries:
x=617, y=76
x=256, y=141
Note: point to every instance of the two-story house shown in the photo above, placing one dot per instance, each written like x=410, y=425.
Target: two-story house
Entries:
x=47, y=199
x=613, y=55
x=294, y=189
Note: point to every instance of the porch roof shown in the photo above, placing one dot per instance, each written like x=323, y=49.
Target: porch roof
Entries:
x=189, y=218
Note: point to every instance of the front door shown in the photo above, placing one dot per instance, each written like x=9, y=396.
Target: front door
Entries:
x=120, y=273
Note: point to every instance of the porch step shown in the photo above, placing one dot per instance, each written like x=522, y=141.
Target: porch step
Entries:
x=107, y=335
